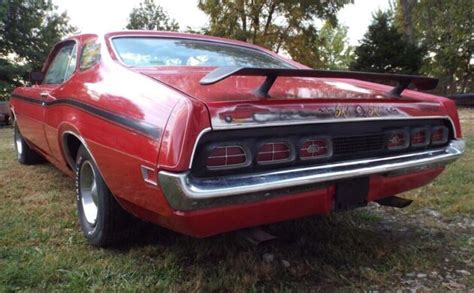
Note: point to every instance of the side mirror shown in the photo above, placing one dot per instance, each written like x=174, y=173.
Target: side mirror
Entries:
x=36, y=77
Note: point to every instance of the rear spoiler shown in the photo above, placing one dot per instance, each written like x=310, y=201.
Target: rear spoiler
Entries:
x=403, y=80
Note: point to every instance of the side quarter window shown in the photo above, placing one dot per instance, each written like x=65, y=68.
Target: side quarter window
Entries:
x=63, y=64
x=90, y=54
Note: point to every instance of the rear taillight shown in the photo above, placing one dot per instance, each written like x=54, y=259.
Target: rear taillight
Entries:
x=274, y=152
x=254, y=152
x=439, y=135
x=315, y=148
x=398, y=140
x=229, y=156
x=420, y=137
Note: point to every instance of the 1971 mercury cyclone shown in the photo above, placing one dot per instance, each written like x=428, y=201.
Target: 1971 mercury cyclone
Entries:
x=205, y=135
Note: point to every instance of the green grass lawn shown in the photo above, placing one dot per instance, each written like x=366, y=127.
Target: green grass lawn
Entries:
x=42, y=248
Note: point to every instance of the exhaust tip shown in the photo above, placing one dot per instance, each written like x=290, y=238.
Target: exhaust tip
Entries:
x=394, y=201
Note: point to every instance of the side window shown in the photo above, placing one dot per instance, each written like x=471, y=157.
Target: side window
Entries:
x=71, y=67
x=90, y=55
x=62, y=66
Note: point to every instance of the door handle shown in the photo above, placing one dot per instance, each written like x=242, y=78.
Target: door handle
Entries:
x=45, y=98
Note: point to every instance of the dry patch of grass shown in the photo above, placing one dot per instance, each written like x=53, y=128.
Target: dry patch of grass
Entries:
x=41, y=247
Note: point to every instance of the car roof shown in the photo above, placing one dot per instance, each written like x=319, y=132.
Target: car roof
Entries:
x=179, y=35
x=167, y=34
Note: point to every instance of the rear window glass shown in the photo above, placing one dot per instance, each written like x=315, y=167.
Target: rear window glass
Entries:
x=90, y=55
x=146, y=51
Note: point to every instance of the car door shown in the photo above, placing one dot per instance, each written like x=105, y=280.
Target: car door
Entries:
x=60, y=70
x=31, y=114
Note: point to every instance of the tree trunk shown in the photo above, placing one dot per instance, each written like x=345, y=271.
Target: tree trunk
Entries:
x=407, y=21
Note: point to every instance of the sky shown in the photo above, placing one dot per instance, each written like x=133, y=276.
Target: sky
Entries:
x=111, y=15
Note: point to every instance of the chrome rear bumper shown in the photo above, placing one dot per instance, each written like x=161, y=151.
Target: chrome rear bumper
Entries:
x=185, y=192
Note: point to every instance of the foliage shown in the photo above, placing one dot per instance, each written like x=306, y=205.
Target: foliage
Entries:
x=28, y=30
x=445, y=28
x=384, y=49
x=151, y=16
x=326, y=49
x=275, y=24
x=10, y=76
x=403, y=17
x=335, y=50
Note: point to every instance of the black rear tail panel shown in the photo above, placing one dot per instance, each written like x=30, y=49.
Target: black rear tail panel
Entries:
x=350, y=141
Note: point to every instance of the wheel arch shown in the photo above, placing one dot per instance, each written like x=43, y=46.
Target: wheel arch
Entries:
x=70, y=144
x=12, y=116
x=70, y=140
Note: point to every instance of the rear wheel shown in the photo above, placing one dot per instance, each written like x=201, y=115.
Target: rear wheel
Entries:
x=25, y=155
x=103, y=221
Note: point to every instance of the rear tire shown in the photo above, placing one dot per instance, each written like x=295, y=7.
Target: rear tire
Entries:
x=24, y=154
x=103, y=221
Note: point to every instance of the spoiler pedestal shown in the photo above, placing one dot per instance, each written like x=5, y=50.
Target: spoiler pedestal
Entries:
x=271, y=74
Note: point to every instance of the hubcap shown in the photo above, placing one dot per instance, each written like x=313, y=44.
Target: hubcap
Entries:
x=18, y=143
x=88, y=191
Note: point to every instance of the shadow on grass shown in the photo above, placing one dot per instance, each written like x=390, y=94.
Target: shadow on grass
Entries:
x=344, y=248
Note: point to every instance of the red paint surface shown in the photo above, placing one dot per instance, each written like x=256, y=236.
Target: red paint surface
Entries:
x=213, y=221
x=179, y=109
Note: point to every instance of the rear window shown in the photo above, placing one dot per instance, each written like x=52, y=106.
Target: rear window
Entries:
x=90, y=55
x=146, y=51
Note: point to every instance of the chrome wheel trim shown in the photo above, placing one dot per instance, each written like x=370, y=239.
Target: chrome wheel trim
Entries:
x=18, y=143
x=88, y=192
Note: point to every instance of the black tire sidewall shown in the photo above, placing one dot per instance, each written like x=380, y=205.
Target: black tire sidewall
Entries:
x=93, y=233
x=28, y=155
x=20, y=157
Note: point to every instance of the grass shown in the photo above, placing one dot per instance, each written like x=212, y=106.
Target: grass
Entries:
x=453, y=191
x=42, y=249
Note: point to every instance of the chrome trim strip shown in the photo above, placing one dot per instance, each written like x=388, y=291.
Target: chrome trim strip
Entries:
x=300, y=122
x=206, y=130
x=455, y=131
x=185, y=192
x=198, y=138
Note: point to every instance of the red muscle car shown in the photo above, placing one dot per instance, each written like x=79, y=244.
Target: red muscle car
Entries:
x=205, y=135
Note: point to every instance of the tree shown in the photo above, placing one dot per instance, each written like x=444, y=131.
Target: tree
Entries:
x=151, y=16
x=327, y=48
x=445, y=28
x=335, y=50
x=406, y=9
x=28, y=30
x=274, y=24
x=384, y=49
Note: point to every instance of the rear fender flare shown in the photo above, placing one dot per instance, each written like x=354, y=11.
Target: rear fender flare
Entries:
x=65, y=130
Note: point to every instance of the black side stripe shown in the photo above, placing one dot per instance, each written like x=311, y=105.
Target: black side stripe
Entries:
x=133, y=124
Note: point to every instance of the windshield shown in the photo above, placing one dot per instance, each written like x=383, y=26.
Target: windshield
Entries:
x=149, y=51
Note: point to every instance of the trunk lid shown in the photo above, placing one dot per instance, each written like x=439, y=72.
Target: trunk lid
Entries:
x=294, y=100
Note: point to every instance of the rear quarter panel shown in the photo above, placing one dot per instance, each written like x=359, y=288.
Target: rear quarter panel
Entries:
x=121, y=116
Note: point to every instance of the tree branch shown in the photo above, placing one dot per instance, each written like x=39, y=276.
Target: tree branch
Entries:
x=269, y=18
